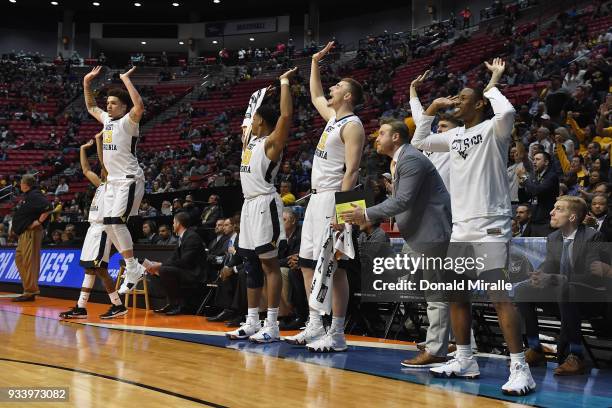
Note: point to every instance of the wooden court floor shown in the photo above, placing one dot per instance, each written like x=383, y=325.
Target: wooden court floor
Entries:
x=103, y=367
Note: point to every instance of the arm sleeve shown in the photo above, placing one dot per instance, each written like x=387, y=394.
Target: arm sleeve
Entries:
x=431, y=142
x=417, y=109
x=503, y=119
x=565, y=164
x=577, y=129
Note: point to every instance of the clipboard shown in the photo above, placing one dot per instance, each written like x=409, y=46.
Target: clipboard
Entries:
x=344, y=199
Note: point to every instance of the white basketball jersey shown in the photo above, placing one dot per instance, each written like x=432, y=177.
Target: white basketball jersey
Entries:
x=96, y=210
x=328, y=164
x=120, y=138
x=257, y=171
x=441, y=161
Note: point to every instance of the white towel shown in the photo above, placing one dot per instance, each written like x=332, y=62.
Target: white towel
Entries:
x=254, y=104
x=334, y=245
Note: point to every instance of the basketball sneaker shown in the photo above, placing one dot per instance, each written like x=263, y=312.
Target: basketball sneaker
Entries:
x=310, y=334
x=114, y=311
x=520, y=381
x=246, y=330
x=331, y=342
x=74, y=313
x=269, y=333
x=131, y=279
x=461, y=368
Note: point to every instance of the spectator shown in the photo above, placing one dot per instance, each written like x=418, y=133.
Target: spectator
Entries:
x=581, y=108
x=466, y=13
x=285, y=193
x=599, y=217
x=3, y=235
x=56, y=238
x=177, y=205
x=215, y=251
x=146, y=210
x=212, y=212
x=166, y=208
x=62, y=187
x=193, y=210
x=294, y=293
x=523, y=218
x=150, y=237
x=543, y=186
x=183, y=267
x=165, y=236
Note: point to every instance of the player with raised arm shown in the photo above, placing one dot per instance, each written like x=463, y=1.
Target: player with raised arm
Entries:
x=96, y=248
x=125, y=182
x=480, y=201
x=261, y=222
x=335, y=168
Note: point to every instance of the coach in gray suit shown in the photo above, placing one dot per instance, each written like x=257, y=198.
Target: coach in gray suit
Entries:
x=420, y=204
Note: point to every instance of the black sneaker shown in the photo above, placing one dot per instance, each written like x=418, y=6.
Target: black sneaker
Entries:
x=114, y=311
x=74, y=313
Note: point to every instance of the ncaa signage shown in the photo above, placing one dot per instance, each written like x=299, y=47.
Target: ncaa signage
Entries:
x=58, y=267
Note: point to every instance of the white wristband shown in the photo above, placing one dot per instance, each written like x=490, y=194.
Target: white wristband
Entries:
x=284, y=81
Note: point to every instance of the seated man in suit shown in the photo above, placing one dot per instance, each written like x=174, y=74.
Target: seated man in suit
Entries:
x=572, y=252
x=523, y=216
x=599, y=217
x=215, y=252
x=183, y=267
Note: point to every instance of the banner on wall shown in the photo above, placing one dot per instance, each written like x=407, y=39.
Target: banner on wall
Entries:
x=242, y=27
x=58, y=267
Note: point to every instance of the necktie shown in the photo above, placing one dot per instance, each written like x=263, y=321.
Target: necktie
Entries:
x=565, y=258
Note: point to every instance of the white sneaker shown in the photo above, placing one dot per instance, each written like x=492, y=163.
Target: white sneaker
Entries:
x=308, y=335
x=131, y=279
x=461, y=368
x=269, y=333
x=520, y=381
x=332, y=341
x=245, y=331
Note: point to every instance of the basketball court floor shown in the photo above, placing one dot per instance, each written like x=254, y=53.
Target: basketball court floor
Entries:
x=183, y=361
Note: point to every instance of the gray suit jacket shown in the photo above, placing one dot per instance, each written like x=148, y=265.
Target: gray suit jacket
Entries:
x=420, y=202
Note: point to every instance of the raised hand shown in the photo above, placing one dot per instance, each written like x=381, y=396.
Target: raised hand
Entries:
x=289, y=74
x=128, y=73
x=419, y=80
x=445, y=103
x=92, y=74
x=319, y=55
x=88, y=144
x=497, y=67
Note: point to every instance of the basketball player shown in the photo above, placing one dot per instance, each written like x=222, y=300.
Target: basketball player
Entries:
x=96, y=248
x=335, y=168
x=261, y=221
x=480, y=201
x=125, y=181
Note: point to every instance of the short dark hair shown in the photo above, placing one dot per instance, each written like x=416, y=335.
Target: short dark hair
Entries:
x=122, y=95
x=182, y=217
x=546, y=155
x=525, y=205
x=268, y=114
x=447, y=117
x=356, y=91
x=164, y=226
x=152, y=224
x=397, y=126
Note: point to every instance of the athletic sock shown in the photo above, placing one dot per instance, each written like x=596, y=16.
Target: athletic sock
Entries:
x=88, y=282
x=272, y=315
x=337, y=324
x=131, y=264
x=315, y=318
x=464, y=351
x=252, y=314
x=517, y=358
x=115, y=299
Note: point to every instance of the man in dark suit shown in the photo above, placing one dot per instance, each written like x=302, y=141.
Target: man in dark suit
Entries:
x=599, y=217
x=523, y=217
x=294, y=292
x=542, y=189
x=182, y=268
x=421, y=206
x=212, y=213
x=567, y=277
x=215, y=252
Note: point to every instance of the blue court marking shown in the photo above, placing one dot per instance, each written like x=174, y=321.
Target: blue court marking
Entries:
x=594, y=390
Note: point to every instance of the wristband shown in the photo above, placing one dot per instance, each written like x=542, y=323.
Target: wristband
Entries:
x=284, y=81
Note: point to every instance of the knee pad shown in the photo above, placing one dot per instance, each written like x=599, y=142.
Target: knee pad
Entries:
x=120, y=236
x=254, y=271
